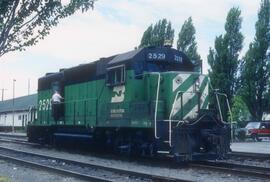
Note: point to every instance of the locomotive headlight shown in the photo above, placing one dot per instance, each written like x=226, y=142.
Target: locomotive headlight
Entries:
x=197, y=85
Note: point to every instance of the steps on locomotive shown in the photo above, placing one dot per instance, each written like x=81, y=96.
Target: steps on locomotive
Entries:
x=163, y=142
x=163, y=147
x=163, y=129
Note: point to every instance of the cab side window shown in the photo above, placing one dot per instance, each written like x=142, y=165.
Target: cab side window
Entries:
x=115, y=76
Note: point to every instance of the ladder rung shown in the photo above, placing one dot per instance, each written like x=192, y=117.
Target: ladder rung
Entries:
x=166, y=141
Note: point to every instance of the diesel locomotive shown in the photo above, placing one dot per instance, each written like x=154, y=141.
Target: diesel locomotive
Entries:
x=148, y=101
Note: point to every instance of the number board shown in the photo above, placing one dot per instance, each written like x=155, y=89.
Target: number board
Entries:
x=159, y=56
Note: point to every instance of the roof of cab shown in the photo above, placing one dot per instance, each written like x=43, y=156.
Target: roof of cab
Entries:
x=125, y=56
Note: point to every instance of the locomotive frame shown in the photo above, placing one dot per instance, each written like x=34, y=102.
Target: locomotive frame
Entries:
x=147, y=101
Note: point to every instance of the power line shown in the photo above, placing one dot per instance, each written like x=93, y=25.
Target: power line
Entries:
x=28, y=86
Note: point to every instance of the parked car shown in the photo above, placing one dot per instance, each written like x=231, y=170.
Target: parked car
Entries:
x=255, y=130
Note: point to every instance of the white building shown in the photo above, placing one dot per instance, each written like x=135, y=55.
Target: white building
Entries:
x=20, y=110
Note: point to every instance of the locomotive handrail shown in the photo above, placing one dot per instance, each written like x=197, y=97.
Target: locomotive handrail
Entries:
x=78, y=100
x=229, y=107
x=228, y=104
x=156, y=104
x=223, y=94
x=219, y=109
x=170, y=117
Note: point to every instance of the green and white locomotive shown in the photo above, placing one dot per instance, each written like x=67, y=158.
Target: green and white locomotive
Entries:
x=148, y=101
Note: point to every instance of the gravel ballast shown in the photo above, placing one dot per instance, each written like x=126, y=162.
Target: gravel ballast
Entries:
x=10, y=172
x=186, y=173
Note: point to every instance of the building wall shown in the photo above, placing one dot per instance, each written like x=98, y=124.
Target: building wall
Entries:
x=20, y=118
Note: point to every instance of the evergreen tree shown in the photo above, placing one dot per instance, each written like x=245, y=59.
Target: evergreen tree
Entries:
x=224, y=59
x=157, y=34
x=255, y=70
x=186, y=41
x=147, y=36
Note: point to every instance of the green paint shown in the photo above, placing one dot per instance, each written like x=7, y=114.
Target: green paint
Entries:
x=90, y=103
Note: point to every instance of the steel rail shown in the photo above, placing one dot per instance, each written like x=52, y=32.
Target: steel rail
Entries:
x=260, y=156
x=245, y=155
x=82, y=164
x=17, y=141
x=53, y=169
x=239, y=169
x=13, y=135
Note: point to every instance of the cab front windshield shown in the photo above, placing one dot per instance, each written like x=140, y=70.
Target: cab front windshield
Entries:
x=253, y=125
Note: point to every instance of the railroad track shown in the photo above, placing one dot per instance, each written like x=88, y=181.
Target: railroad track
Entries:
x=17, y=141
x=22, y=139
x=248, y=155
x=85, y=171
x=10, y=135
x=238, y=169
x=233, y=155
x=225, y=167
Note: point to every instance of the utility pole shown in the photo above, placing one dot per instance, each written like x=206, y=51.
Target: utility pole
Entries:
x=3, y=90
x=28, y=86
x=13, y=109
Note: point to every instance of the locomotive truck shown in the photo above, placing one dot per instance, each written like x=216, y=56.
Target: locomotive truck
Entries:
x=148, y=101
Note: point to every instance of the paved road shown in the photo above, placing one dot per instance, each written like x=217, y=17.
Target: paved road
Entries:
x=256, y=147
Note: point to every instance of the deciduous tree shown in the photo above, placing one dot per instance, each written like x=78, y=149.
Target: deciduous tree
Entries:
x=24, y=22
x=240, y=112
x=224, y=58
x=256, y=64
x=157, y=34
x=186, y=41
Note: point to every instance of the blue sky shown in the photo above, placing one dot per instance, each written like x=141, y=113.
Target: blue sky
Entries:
x=114, y=27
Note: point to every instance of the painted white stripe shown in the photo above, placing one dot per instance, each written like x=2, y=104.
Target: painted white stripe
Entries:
x=193, y=112
x=205, y=93
x=178, y=80
x=186, y=96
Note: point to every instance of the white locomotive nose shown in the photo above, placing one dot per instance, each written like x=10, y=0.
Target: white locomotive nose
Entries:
x=190, y=91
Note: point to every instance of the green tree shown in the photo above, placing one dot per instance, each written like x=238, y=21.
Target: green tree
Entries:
x=255, y=70
x=240, y=111
x=224, y=58
x=157, y=34
x=186, y=41
x=24, y=23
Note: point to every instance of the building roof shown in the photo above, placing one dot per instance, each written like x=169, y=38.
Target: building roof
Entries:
x=20, y=103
